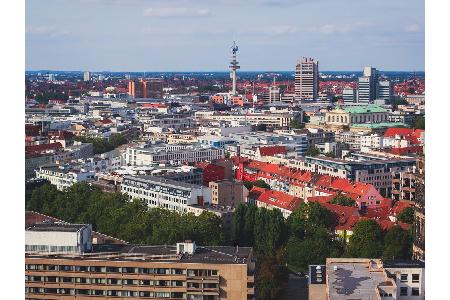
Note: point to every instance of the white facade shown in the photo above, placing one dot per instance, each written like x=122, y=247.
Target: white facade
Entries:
x=58, y=238
x=171, y=154
x=63, y=178
x=165, y=193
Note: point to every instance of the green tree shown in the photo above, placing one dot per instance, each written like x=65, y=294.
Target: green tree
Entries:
x=312, y=151
x=419, y=123
x=296, y=124
x=406, y=215
x=259, y=183
x=367, y=240
x=272, y=277
x=340, y=199
x=307, y=217
x=397, y=244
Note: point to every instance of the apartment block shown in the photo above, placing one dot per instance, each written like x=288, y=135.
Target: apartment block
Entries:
x=165, y=193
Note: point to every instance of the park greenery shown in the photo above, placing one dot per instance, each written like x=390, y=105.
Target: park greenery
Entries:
x=102, y=145
x=280, y=245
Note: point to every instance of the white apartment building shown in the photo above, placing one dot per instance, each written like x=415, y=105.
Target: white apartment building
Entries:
x=165, y=193
x=268, y=119
x=63, y=177
x=372, y=141
x=171, y=154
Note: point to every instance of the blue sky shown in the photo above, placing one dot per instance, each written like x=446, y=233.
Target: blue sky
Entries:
x=196, y=35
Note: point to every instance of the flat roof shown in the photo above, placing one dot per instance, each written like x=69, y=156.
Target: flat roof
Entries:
x=407, y=264
x=55, y=227
x=161, y=253
x=162, y=181
x=352, y=279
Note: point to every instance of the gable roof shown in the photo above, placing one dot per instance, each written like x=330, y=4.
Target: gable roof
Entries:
x=280, y=200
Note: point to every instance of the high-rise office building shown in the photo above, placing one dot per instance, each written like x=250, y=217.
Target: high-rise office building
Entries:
x=367, y=85
x=87, y=76
x=349, y=95
x=146, y=88
x=385, y=90
x=306, y=79
x=274, y=92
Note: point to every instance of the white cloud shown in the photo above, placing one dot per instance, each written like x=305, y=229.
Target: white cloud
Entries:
x=168, y=12
x=412, y=28
x=46, y=30
x=280, y=30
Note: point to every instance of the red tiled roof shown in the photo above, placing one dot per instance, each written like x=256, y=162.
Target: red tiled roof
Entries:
x=272, y=150
x=399, y=206
x=42, y=147
x=280, y=199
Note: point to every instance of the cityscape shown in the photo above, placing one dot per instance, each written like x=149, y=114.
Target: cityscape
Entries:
x=301, y=183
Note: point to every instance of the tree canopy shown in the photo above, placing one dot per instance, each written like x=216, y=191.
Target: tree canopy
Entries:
x=340, y=199
x=312, y=151
x=367, y=240
x=397, y=244
x=102, y=145
x=134, y=222
x=419, y=123
x=406, y=215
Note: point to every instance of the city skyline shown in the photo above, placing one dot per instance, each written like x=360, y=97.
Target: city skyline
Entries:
x=118, y=35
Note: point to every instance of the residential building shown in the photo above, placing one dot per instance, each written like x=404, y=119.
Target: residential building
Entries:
x=227, y=192
x=419, y=210
x=286, y=203
x=306, y=79
x=64, y=176
x=165, y=193
x=171, y=154
x=182, y=271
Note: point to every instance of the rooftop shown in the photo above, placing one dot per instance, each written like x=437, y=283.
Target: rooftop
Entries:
x=354, y=278
x=162, y=181
x=163, y=253
x=55, y=227
x=371, y=108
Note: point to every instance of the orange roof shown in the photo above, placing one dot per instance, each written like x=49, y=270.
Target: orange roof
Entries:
x=280, y=200
x=399, y=206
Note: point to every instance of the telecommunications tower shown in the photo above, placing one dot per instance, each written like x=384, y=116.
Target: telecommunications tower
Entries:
x=233, y=67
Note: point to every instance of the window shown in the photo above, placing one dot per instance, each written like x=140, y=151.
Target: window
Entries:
x=415, y=292
x=415, y=277
x=403, y=291
x=404, y=277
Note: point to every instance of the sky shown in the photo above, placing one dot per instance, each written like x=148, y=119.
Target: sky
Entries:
x=196, y=35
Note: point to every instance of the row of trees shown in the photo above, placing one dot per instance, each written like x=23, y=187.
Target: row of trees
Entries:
x=102, y=145
x=134, y=222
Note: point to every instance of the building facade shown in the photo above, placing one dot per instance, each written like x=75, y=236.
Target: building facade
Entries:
x=306, y=79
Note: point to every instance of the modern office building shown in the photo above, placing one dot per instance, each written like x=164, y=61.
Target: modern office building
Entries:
x=385, y=91
x=146, y=88
x=307, y=79
x=349, y=95
x=184, y=271
x=165, y=193
x=367, y=85
x=87, y=76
